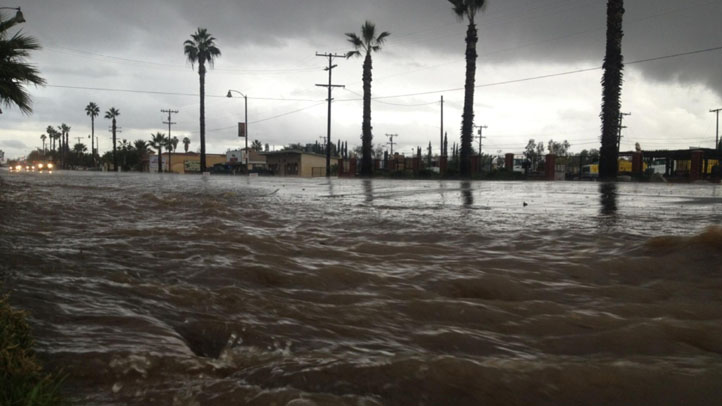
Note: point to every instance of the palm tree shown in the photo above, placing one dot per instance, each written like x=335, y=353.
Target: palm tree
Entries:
x=113, y=114
x=141, y=146
x=367, y=44
x=201, y=48
x=64, y=138
x=468, y=9
x=186, y=143
x=15, y=73
x=79, y=148
x=51, y=136
x=158, y=142
x=92, y=110
x=43, y=137
x=171, y=144
x=612, y=90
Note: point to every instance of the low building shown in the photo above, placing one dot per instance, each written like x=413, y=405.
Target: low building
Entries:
x=297, y=163
x=256, y=159
x=189, y=162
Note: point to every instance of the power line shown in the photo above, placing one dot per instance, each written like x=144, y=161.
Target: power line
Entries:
x=168, y=65
x=377, y=98
x=551, y=75
x=102, y=89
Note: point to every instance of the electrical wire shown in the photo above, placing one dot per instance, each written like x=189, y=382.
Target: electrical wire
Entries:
x=551, y=75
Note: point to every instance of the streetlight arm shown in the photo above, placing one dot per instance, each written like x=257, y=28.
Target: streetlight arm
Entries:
x=245, y=105
x=229, y=95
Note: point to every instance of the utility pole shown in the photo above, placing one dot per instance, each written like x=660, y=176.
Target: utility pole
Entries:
x=391, y=142
x=170, y=123
x=480, y=137
x=619, y=133
x=330, y=87
x=79, y=139
x=716, y=138
x=441, y=142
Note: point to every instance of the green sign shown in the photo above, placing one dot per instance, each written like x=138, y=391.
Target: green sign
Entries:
x=192, y=166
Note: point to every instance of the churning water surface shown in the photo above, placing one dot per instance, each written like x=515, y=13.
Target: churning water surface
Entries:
x=184, y=290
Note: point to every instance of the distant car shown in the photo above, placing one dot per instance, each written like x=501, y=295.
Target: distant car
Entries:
x=221, y=169
x=44, y=166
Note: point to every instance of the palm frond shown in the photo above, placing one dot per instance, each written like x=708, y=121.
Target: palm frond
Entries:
x=349, y=54
x=368, y=32
x=459, y=7
x=355, y=40
x=382, y=37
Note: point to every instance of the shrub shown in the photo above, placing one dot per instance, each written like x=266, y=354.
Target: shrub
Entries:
x=22, y=379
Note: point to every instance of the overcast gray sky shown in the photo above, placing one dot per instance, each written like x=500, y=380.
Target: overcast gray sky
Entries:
x=269, y=51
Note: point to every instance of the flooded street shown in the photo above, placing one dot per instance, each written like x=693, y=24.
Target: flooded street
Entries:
x=183, y=290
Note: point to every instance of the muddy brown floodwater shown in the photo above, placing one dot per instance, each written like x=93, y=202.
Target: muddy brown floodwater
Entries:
x=182, y=290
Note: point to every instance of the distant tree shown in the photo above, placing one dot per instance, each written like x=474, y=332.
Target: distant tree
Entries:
x=79, y=148
x=64, y=137
x=256, y=146
x=540, y=150
x=92, y=110
x=560, y=149
x=468, y=9
x=15, y=72
x=141, y=149
x=112, y=115
x=366, y=44
x=201, y=48
x=43, y=137
x=266, y=148
x=50, y=130
x=612, y=90
x=186, y=143
x=428, y=156
x=294, y=147
x=158, y=141
x=378, y=151
x=594, y=155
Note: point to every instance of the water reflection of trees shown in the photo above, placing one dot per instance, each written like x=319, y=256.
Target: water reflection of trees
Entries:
x=608, y=199
x=466, y=196
x=368, y=187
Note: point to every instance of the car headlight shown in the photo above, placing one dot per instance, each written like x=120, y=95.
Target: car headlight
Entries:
x=50, y=166
x=19, y=168
x=40, y=166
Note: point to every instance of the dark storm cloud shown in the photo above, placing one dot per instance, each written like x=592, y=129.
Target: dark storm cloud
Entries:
x=561, y=31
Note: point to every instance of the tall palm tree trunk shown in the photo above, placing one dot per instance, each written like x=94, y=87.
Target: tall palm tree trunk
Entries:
x=64, y=149
x=612, y=90
x=202, y=75
x=160, y=159
x=92, y=138
x=367, y=136
x=115, y=155
x=467, y=123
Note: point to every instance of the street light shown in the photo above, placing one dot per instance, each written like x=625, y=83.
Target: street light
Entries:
x=18, y=16
x=245, y=104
